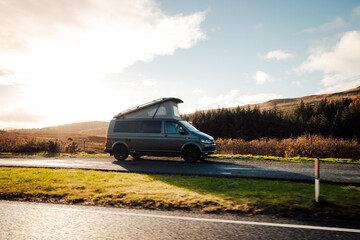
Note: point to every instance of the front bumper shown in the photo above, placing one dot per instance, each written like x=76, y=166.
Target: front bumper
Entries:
x=208, y=149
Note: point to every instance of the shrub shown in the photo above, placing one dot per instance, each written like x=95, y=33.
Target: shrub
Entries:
x=72, y=148
x=304, y=146
x=53, y=147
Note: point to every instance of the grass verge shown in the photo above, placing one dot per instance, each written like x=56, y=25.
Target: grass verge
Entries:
x=208, y=194
x=284, y=159
x=220, y=156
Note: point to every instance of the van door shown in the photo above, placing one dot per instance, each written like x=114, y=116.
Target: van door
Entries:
x=175, y=136
x=150, y=137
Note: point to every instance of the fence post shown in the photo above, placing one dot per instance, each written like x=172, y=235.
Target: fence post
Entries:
x=317, y=179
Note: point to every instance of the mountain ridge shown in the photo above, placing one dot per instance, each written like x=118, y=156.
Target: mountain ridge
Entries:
x=288, y=103
x=99, y=128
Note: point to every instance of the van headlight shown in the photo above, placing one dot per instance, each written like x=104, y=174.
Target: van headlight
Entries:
x=203, y=140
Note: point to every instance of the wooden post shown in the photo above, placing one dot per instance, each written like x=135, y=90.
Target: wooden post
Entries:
x=317, y=179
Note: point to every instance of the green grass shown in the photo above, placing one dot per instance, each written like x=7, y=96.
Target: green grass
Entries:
x=283, y=159
x=208, y=194
x=220, y=156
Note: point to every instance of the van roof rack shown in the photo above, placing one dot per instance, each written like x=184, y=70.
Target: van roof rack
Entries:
x=146, y=105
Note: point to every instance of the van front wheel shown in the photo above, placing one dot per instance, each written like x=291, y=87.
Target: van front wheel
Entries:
x=191, y=154
x=120, y=152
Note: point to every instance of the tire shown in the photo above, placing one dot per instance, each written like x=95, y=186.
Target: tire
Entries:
x=191, y=154
x=135, y=156
x=120, y=152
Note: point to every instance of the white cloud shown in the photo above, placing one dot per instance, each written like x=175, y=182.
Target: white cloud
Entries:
x=233, y=99
x=339, y=64
x=60, y=50
x=356, y=12
x=261, y=77
x=297, y=83
x=278, y=55
x=19, y=115
x=90, y=36
x=338, y=22
x=125, y=83
x=199, y=91
x=149, y=82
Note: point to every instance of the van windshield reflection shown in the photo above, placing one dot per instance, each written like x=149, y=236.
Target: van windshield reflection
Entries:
x=189, y=126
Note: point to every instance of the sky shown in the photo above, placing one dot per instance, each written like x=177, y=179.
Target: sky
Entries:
x=65, y=61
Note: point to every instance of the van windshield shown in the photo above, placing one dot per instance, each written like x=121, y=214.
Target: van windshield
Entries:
x=189, y=126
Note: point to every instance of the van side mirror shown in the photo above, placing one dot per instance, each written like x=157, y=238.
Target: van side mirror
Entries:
x=182, y=131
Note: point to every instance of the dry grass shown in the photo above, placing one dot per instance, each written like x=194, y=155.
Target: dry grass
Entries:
x=304, y=146
x=21, y=142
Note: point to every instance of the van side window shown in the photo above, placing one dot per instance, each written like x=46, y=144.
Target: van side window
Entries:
x=151, y=126
x=127, y=126
x=138, y=126
x=172, y=127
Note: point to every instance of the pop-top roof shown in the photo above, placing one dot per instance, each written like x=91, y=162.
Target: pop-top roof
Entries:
x=159, y=108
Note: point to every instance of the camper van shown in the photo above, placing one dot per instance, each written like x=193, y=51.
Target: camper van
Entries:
x=156, y=129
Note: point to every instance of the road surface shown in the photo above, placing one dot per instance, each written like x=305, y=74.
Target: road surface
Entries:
x=24, y=220
x=338, y=173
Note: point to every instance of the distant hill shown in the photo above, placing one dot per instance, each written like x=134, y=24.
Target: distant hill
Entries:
x=289, y=103
x=99, y=128
x=94, y=128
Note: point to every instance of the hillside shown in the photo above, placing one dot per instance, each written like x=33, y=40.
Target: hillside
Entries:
x=289, y=103
x=95, y=128
x=99, y=128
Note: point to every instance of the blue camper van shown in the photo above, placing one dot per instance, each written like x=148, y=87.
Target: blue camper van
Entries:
x=156, y=129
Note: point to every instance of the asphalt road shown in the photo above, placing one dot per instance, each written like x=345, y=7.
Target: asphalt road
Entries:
x=24, y=220
x=338, y=173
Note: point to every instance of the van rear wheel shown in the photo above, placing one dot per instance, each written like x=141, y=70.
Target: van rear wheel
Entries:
x=191, y=154
x=120, y=152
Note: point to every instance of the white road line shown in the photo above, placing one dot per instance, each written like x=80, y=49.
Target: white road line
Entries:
x=201, y=219
x=239, y=222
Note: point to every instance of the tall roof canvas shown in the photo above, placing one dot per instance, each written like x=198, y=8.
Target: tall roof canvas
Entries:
x=160, y=108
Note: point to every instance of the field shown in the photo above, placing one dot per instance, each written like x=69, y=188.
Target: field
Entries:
x=312, y=146
x=206, y=194
x=299, y=149
x=25, y=142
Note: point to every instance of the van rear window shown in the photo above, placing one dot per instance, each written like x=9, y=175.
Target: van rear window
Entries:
x=127, y=126
x=138, y=126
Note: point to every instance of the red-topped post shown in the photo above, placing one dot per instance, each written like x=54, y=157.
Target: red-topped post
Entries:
x=317, y=179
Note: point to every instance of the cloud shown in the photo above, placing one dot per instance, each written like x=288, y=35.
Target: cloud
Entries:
x=262, y=77
x=7, y=77
x=59, y=51
x=77, y=37
x=233, y=99
x=339, y=64
x=336, y=23
x=19, y=115
x=149, y=82
x=356, y=12
x=278, y=55
x=199, y=91
x=297, y=83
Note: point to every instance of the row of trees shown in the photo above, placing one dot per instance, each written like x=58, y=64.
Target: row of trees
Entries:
x=335, y=118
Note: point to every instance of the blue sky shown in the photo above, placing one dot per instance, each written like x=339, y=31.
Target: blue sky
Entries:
x=71, y=61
